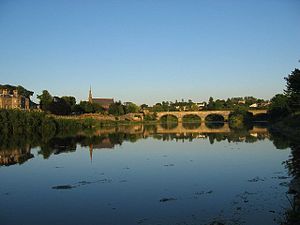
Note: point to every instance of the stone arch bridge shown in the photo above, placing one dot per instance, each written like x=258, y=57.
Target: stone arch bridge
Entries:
x=203, y=114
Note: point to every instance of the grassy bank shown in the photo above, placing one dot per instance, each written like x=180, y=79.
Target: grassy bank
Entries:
x=25, y=123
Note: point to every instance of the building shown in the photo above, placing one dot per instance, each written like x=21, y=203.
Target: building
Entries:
x=255, y=105
x=104, y=102
x=11, y=99
x=201, y=105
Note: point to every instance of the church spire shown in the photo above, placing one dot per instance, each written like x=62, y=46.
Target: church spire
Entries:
x=90, y=95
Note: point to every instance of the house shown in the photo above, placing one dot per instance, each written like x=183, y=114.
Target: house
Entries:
x=201, y=105
x=104, y=102
x=255, y=105
x=11, y=99
x=242, y=102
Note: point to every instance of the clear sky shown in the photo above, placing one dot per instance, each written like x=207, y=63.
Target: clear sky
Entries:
x=150, y=50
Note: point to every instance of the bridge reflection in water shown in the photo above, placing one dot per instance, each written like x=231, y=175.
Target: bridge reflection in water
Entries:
x=187, y=128
x=203, y=128
x=175, y=128
x=19, y=151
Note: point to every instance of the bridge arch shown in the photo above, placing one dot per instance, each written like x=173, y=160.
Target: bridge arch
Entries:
x=214, y=117
x=191, y=121
x=168, y=118
x=203, y=114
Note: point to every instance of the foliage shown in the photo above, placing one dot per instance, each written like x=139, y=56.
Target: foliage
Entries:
x=215, y=117
x=45, y=100
x=150, y=117
x=240, y=118
x=191, y=118
x=116, y=109
x=169, y=119
x=87, y=107
x=59, y=107
x=293, y=89
x=21, y=90
x=279, y=107
x=131, y=108
x=15, y=123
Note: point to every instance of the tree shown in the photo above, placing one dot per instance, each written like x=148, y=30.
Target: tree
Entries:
x=86, y=106
x=97, y=108
x=131, y=108
x=293, y=89
x=157, y=108
x=116, y=109
x=240, y=117
x=45, y=100
x=279, y=106
x=144, y=106
x=210, y=104
x=59, y=107
x=70, y=100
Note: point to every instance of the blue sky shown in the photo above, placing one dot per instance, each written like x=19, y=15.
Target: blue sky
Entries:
x=150, y=50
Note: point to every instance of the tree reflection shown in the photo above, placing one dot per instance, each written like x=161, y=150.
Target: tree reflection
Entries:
x=283, y=141
x=214, y=125
x=191, y=126
x=113, y=136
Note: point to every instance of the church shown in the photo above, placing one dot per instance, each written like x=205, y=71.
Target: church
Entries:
x=104, y=102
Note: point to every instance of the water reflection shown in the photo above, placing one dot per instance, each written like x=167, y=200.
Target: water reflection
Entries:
x=284, y=141
x=12, y=153
x=13, y=156
x=197, y=174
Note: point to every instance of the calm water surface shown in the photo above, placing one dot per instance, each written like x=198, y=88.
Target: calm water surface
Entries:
x=146, y=176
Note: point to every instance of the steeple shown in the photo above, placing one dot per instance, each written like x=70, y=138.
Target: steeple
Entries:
x=90, y=95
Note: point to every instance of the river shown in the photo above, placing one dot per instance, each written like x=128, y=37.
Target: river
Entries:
x=146, y=175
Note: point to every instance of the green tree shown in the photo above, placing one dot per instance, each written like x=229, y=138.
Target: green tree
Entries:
x=131, y=108
x=279, y=106
x=59, y=107
x=211, y=104
x=240, y=117
x=144, y=106
x=293, y=89
x=45, y=100
x=116, y=109
x=97, y=108
x=70, y=100
x=86, y=107
x=157, y=108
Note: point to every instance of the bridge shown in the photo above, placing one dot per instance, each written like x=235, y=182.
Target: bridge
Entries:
x=203, y=114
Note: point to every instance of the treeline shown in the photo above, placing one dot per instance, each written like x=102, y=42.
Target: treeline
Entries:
x=66, y=105
x=218, y=104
